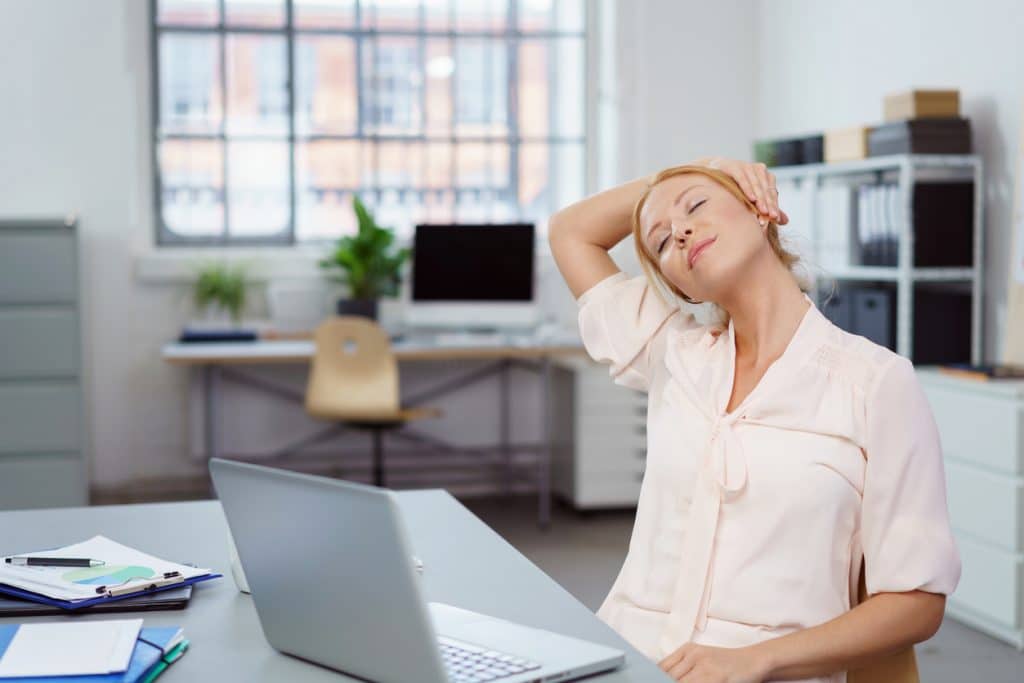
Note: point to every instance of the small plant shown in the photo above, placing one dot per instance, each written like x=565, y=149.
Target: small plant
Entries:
x=222, y=285
x=367, y=262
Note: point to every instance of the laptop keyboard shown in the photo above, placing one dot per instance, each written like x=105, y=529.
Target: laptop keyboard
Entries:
x=469, y=664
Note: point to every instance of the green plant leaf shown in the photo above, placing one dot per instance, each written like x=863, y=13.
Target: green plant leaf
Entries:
x=367, y=261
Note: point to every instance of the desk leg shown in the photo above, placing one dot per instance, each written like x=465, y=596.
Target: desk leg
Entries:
x=506, y=452
x=546, y=451
x=211, y=435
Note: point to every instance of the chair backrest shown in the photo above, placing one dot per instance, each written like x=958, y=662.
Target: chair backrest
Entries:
x=354, y=373
x=899, y=667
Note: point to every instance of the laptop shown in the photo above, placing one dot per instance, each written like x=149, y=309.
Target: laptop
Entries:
x=333, y=580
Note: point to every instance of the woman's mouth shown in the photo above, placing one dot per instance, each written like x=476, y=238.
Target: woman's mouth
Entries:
x=698, y=249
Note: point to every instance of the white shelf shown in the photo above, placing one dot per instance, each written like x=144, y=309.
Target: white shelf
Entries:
x=821, y=233
x=892, y=274
x=892, y=162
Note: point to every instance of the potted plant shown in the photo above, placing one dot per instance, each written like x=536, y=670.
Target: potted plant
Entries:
x=367, y=262
x=219, y=292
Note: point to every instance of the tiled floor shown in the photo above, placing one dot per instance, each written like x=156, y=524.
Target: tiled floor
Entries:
x=584, y=552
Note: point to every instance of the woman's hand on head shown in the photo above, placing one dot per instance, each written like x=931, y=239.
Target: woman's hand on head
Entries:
x=694, y=663
x=757, y=182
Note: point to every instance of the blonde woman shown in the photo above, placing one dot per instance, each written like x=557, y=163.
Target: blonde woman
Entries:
x=782, y=451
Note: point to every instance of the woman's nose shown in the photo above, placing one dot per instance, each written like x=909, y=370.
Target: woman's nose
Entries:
x=679, y=231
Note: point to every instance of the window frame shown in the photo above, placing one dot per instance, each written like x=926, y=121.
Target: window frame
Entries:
x=511, y=37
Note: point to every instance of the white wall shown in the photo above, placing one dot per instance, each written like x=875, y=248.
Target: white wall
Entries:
x=75, y=136
x=829, y=64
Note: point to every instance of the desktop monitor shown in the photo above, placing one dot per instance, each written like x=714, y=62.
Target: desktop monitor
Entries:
x=475, y=276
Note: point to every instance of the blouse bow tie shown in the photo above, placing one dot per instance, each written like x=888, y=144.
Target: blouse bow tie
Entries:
x=721, y=473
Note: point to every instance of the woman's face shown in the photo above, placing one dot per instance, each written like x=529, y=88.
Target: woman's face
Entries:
x=700, y=235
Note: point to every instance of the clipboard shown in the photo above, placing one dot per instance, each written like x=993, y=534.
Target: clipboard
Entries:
x=71, y=606
x=177, y=598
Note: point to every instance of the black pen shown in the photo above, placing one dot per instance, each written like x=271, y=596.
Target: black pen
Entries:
x=54, y=562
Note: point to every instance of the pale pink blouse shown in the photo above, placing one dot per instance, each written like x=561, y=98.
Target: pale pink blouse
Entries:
x=752, y=524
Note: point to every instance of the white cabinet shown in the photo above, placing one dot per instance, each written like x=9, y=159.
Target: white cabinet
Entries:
x=981, y=425
x=599, y=462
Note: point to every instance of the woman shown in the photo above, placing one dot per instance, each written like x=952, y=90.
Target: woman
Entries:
x=782, y=451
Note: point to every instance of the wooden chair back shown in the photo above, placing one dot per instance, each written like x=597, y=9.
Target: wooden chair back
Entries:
x=354, y=374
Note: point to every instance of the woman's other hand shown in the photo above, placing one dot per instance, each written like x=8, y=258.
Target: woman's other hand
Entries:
x=694, y=663
x=757, y=182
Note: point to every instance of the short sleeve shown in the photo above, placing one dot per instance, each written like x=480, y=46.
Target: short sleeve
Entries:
x=620, y=318
x=907, y=540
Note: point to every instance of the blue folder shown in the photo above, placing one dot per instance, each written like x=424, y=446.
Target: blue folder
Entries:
x=69, y=605
x=149, y=650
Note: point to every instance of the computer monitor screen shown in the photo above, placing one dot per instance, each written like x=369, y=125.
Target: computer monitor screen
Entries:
x=473, y=263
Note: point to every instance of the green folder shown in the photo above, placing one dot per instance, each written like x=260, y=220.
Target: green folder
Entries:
x=170, y=658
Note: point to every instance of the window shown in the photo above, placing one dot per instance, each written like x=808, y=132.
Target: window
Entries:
x=272, y=114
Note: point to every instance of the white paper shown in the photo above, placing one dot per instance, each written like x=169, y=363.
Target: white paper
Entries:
x=123, y=565
x=70, y=649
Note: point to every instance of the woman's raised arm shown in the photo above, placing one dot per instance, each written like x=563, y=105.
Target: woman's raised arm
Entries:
x=582, y=233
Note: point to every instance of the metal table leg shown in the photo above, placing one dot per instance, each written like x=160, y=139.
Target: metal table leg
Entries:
x=506, y=451
x=211, y=408
x=546, y=454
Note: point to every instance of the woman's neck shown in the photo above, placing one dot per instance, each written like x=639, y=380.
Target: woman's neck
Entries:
x=766, y=308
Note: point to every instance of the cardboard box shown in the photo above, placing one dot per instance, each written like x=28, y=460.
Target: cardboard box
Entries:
x=846, y=144
x=921, y=104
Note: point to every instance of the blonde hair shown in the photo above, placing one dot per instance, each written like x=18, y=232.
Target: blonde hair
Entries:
x=650, y=265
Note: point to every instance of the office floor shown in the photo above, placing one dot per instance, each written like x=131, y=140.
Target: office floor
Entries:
x=584, y=552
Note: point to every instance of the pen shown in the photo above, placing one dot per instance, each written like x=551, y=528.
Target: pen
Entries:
x=54, y=562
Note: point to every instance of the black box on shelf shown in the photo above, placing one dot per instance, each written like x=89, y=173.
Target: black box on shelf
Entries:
x=790, y=152
x=812, y=149
x=862, y=308
x=873, y=314
x=921, y=136
x=942, y=325
x=944, y=225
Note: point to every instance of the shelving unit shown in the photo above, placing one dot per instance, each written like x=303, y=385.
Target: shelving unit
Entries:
x=908, y=169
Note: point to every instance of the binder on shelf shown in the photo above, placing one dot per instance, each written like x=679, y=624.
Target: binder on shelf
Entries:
x=125, y=573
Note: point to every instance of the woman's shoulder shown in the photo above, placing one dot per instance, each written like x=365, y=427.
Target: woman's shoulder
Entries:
x=855, y=358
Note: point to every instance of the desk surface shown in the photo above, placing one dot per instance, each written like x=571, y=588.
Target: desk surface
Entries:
x=465, y=564
x=264, y=352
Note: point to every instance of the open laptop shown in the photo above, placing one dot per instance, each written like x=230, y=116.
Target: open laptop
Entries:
x=333, y=580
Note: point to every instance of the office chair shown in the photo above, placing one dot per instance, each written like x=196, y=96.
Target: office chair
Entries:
x=354, y=380
x=899, y=667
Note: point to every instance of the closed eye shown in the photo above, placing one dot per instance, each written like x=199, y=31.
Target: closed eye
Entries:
x=661, y=245
x=696, y=206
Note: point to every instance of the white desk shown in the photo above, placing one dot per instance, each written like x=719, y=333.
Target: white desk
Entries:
x=217, y=361
x=465, y=564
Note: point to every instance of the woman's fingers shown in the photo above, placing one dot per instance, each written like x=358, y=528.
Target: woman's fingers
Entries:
x=739, y=174
x=757, y=181
x=772, y=190
x=758, y=184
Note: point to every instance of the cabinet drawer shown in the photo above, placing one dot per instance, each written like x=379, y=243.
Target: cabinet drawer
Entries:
x=39, y=417
x=608, y=490
x=38, y=268
x=42, y=480
x=990, y=583
x=986, y=505
x=38, y=343
x=979, y=429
